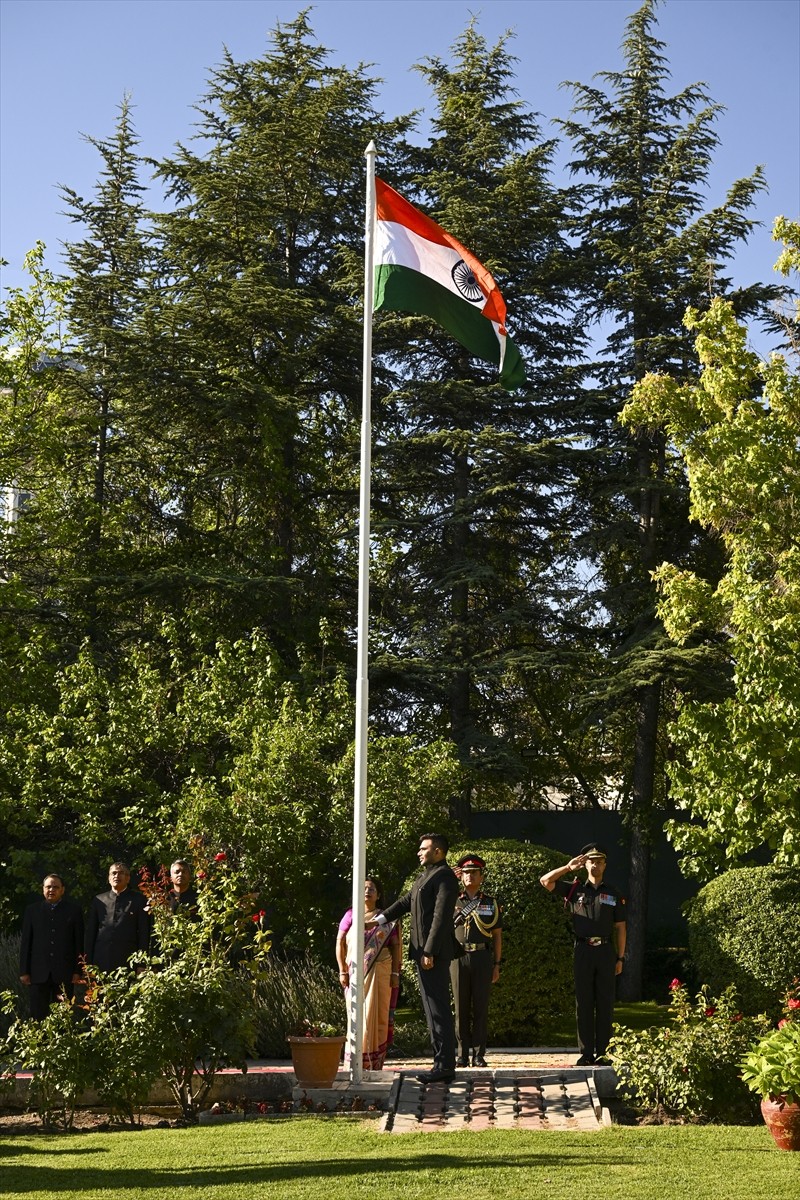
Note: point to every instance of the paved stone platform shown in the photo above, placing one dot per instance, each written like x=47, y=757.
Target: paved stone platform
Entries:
x=521, y=1098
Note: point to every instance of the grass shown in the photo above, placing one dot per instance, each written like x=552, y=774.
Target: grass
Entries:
x=338, y=1158
x=634, y=1016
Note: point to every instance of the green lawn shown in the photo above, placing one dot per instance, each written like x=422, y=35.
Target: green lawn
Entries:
x=634, y=1016
x=335, y=1158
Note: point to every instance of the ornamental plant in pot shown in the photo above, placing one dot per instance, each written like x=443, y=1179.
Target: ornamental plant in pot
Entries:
x=316, y=1050
x=772, y=1071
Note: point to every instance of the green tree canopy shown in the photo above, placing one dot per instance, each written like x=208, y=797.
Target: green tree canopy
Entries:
x=737, y=428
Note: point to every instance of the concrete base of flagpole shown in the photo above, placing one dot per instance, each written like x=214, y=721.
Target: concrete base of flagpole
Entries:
x=374, y=1088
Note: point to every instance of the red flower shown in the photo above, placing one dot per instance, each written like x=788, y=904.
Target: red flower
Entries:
x=676, y=983
x=710, y=1011
x=793, y=1003
x=201, y=874
x=736, y=1017
x=782, y=1022
x=220, y=857
x=258, y=917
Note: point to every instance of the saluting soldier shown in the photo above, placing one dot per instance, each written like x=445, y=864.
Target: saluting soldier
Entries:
x=478, y=926
x=598, y=921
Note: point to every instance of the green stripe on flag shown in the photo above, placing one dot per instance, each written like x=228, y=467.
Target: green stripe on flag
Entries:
x=402, y=289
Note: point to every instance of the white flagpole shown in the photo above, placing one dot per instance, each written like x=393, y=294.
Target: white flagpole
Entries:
x=356, y=1014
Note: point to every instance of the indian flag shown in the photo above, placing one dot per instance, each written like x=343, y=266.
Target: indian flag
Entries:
x=420, y=268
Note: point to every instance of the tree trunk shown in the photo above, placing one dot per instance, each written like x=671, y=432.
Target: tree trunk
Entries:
x=460, y=724
x=642, y=805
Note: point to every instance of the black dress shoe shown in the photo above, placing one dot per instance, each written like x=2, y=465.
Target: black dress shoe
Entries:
x=479, y=1061
x=436, y=1076
x=585, y=1060
x=462, y=1061
x=602, y=1061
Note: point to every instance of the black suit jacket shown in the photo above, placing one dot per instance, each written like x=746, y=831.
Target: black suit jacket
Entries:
x=52, y=941
x=431, y=902
x=116, y=927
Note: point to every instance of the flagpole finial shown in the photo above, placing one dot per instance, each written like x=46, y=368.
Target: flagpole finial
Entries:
x=371, y=149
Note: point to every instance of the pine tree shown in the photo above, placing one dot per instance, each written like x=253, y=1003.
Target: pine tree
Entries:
x=467, y=483
x=261, y=331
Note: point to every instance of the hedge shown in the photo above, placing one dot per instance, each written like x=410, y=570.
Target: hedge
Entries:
x=744, y=929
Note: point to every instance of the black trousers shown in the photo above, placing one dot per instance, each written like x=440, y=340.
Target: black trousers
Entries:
x=595, y=988
x=471, y=977
x=42, y=995
x=434, y=987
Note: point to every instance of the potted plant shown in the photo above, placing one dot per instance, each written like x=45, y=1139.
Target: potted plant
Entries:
x=772, y=1071
x=316, y=1050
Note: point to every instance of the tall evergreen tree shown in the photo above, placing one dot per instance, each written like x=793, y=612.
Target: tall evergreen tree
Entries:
x=106, y=376
x=76, y=420
x=643, y=159
x=468, y=485
x=261, y=340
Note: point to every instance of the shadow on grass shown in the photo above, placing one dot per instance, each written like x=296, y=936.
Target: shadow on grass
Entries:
x=139, y=1181
x=12, y=1146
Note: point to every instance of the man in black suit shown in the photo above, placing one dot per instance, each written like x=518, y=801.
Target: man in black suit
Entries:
x=181, y=894
x=117, y=925
x=52, y=942
x=432, y=902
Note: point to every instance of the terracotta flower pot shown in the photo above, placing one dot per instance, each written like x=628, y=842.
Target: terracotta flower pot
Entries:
x=315, y=1060
x=783, y=1121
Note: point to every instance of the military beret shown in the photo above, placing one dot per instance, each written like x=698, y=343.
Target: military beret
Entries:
x=471, y=860
x=592, y=850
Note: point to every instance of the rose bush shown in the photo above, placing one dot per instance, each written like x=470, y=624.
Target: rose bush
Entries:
x=690, y=1067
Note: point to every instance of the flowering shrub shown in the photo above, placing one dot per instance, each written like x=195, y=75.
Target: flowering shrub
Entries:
x=690, y=1068
x=771, y=1069
x=314, y=1029
x=198, y=1001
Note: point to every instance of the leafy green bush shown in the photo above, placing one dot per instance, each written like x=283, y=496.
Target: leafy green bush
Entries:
x=535, y=986
x=198, y=1004
x=411, y=1037
x=744, y=929
x=289, y=992
x=125, y=1057
x=9, y=979
x=771, y=1069
x=690, y=1067
x=57, y=1052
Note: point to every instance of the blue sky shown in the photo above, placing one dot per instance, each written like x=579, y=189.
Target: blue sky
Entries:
x=65, y=65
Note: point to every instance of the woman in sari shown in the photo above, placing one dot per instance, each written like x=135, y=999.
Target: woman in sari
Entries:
x=382, y=955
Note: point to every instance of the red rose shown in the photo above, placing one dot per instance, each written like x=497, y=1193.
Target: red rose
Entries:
x=220, y=857
x=256, y=917
x=676, y=983
x=782, y=1022
x=710, y=1011
x=736, y=1017
x=793, y=1003
x=201, y=874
